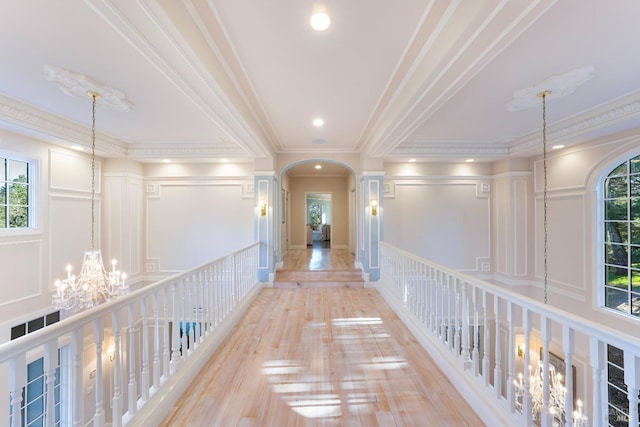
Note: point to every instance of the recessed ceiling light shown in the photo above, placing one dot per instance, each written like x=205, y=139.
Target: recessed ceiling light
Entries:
x=470, y=160
x=557, y=147
x=224, y=160
x=318, y=166
x=320, y=21
x=412, y=160
x=166, y=161
x=317, y=122
x=77, y=147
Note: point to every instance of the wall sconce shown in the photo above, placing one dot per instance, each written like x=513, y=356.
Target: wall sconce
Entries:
x=263, y=208
x=111, y=352
x=374, y=207
x=520, y=350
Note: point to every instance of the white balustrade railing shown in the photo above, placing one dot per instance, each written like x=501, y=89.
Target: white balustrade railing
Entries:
x=109, y=361
x=483, y=336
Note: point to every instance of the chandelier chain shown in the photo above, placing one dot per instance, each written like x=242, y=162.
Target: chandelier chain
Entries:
x=93, y=169
x=544, y=202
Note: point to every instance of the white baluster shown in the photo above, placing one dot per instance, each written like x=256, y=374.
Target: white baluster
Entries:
x=497, y=370
x=545, y=330
x=98, y=338
x=166, y=353
x=631, y=374
x=485, y=341
x=132, y=393
x=476, y=335
x=597, y=362
x=77, y=391
x=17, y=374
x=456, y=330
x=156, y=341
x=50, y=364
x=466, y=312
x=175, y=341
x=511, y=363
x=144, y=375
x=451, y=305
x=116, y=405
x=568, y=345
x=526, y=395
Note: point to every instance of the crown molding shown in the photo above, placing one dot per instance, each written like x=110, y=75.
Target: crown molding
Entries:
x=185, y=150
x=32, y=121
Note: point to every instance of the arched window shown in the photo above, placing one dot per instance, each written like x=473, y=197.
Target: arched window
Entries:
x=622, y=238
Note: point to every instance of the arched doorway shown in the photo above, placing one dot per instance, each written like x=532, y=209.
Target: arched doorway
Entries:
x=317, y=176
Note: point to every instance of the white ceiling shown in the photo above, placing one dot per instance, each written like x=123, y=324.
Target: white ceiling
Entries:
x=396, y=79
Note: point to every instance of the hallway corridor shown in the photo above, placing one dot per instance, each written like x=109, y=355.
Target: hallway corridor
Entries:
x=321, y=357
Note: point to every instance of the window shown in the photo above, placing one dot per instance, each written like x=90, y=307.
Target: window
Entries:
x=618, y=395
x=35, y=394
x=14, y=193
x=622, y=238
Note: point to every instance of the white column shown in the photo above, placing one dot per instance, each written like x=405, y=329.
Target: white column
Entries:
x=50, y=365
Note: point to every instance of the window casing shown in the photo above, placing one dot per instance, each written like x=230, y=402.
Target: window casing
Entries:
x=15, y=193
x=622, y=238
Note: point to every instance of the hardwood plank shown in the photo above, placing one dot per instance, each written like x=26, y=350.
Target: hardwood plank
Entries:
x=321, y=357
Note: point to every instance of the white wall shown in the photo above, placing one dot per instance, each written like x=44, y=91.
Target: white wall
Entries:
x=194, y=214
x=444, y=218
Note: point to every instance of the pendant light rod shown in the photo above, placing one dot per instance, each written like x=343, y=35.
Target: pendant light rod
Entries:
x=94, y=96
x=544, y=95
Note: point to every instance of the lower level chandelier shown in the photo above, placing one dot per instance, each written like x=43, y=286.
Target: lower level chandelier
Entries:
x=94, y=285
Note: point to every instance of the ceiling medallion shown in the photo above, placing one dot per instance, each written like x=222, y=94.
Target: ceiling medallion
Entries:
x=79, y=85
x=559, y=85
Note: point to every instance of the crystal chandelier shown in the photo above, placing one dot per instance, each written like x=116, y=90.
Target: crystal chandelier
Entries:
x=556, y=397
x=94, y=285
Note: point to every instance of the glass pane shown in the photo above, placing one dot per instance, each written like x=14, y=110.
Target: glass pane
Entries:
x=616, y=187
x=17, y=171
x=3, y=169
x=635, y=232
x=635, y=185
x=3, y=194
x=635, y=256
x=616, y=232
x=35, y=410
x=18, y=194
x=3, y=217
x=617, y=277
x=635, y=304
x=615, y=356
x=635, y=280
x=615, y=376
x=616, y=254
x=35, y=368
x=635, y=164
x=18, y=217
x=616, y=209
x=620, y=170
x=35, y=389
x=635, y=208
x=617, y=299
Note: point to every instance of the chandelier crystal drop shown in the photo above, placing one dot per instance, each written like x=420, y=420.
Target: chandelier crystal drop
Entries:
x=557, y=393
x=94, y=285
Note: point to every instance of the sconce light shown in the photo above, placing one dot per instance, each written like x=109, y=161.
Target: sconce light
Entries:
x=111, y=352
x=520, y=350
x=374, y=207
x=263, y=208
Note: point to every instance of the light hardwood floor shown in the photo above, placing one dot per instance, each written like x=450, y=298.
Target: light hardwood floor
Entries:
x=321, y=357
x=317, y=258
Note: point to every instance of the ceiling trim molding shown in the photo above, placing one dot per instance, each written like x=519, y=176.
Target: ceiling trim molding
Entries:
x=182, y=150
x=52, y=128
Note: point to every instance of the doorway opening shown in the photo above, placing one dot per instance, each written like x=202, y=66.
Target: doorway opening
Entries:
x=318, y=219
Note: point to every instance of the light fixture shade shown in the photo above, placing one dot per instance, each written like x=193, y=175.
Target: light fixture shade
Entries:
x=374, y=207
